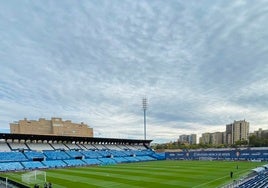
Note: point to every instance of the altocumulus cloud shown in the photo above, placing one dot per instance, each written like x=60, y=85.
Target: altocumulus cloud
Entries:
x=200, y=64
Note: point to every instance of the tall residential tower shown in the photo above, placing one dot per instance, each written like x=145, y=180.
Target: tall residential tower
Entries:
x=237, y=131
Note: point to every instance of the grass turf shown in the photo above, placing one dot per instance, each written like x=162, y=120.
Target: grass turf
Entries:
x=195, y=174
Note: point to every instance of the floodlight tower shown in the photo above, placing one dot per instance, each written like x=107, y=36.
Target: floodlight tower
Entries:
x=144, y=106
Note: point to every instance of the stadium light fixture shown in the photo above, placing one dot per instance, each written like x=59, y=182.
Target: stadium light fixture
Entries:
x=144, y=106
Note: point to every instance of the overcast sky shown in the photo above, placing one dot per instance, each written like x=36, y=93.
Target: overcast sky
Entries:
x=202, y=64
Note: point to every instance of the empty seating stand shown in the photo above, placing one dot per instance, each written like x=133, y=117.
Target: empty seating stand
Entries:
x=259, y=181
x=34, y=155
x=74, y=162
x=12, y=156
x=92, y=161
x=56, y=155
x=74, y=154
x=107, y=161
x=33, y=165
x=54, y=164
x=10, y=166
x=30, y=155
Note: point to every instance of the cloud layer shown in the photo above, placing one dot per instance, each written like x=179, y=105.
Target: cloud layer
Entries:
x=200, y=64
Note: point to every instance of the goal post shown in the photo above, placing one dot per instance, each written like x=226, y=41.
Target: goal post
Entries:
x=34, y=177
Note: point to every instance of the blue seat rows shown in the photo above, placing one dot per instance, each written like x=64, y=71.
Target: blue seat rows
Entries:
x=16, y=159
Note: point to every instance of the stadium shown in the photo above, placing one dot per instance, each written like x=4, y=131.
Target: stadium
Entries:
x=201, y=64
x=65, y=161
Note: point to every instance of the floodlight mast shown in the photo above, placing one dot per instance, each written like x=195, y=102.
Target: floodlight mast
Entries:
x=144, y=106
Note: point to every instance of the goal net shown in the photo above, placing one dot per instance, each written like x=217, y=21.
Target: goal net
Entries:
x=34, y=177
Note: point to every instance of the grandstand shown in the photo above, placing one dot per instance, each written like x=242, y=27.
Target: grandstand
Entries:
x=28, y=152
x=258, y=181
x=258, y=178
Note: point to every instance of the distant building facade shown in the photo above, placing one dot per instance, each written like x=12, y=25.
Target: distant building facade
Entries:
x=260, y=133
x=205, y=138
x=183, y=138
x=237, y=131
x=187, y=139
x=55, y=126
x=215, y=138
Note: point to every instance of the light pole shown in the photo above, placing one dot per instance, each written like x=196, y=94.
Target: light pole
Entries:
x=144, y=106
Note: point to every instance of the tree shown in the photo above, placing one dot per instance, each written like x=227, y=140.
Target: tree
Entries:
x=255, y=141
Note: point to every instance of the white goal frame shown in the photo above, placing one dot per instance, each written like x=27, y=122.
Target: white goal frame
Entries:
x=33, y=177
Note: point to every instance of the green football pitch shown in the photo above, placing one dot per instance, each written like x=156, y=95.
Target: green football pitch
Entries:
x=195, y=174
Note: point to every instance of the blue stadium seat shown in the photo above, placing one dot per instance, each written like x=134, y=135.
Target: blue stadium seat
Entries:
x=56, y=155
x=34, y=155
x=132, y=159
x=92, y=161
x=54, y=163
x=107, y=161
x=32, y=165
x=91, y=154
x=9, y=166
x=74, y=162
x=12, y=156
x=120, y=160
x=74, y=154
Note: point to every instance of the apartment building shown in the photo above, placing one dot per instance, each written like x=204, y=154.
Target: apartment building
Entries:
x=55, y=126
x=237, y=131
x=189, y=139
